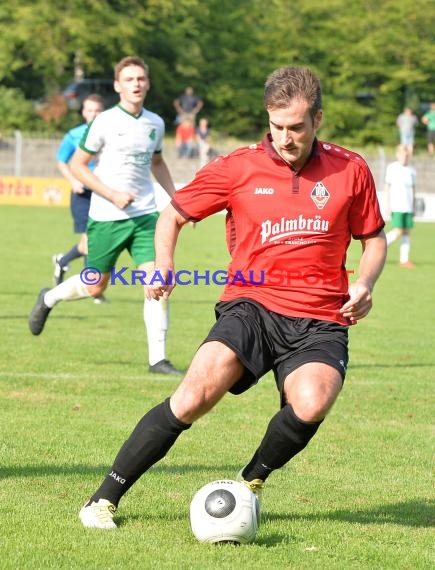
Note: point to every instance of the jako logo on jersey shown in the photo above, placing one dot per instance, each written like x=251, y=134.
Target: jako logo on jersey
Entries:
x=264, y=191
x=272, y=231
x=320, y=195
x=152, y=134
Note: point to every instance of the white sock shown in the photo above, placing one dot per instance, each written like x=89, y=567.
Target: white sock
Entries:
x=70, y=290
x=405, y=246
x=391, y=236
x=156, y=318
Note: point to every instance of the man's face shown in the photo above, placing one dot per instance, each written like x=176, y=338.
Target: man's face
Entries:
x=402, y=156
x=293, y=131
x=90, y=110
x=132, y=85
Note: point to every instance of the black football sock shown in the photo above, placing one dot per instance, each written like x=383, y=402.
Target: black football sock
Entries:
x=72, y=254
x=149, y=442
x=286, y=435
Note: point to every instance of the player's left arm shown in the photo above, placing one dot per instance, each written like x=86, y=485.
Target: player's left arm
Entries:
x=387, y=199
x=374, y=253
x=168, y=227
x=199, y=105
x=161, y=173
x=414, y=198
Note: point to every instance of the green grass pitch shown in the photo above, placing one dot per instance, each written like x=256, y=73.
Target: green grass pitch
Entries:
x=360, y=496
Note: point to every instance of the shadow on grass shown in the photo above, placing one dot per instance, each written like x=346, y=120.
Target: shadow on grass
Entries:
x=80, y=469
x=414, y=513
x=268, y=540
x=66, y=470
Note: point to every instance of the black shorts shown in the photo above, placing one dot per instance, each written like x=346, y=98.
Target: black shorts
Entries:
x=264, y=341
x=80, y=210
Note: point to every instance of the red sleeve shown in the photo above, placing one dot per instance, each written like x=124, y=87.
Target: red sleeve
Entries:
x=365, y=215
x=207, y=194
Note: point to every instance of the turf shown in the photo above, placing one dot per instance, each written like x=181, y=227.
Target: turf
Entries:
x=360, y=496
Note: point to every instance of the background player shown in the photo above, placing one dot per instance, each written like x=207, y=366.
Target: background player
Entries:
x=123, y=214
x=400, y=179
x=80, y=196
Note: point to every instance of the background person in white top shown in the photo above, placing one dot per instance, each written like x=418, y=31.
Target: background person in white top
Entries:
x=126, y=142
x=399, y=199
x=406, y=123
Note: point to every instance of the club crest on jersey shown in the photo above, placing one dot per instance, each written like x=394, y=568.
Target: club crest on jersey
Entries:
x=320, y=195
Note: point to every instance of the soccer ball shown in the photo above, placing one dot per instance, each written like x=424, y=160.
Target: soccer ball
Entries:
x=225, y=511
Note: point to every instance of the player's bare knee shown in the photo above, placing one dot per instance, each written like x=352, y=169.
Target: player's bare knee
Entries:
x=188, y=405
x=312, y=407
x=308, y=412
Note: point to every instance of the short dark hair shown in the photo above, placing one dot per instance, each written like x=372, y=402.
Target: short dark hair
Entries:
x=288, y=83
x=130, y=60
x=95, y=98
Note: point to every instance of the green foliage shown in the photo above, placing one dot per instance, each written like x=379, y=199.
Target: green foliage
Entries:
x=373, y=57
x=16, y=112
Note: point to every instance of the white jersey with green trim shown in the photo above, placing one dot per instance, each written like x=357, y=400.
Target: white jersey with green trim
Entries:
x=124, y=145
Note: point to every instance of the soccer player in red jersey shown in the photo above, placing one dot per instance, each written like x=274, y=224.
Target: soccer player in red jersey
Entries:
x=293, y=205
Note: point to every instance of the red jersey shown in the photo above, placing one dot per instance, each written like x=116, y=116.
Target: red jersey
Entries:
x=185, y=133
x=287, y=231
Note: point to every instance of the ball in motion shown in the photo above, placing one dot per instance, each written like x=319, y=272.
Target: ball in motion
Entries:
x=225, y=511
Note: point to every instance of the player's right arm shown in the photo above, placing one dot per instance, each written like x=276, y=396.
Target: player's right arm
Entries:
x=64, y=169
x=63, y=156
x=387, y=200
x=80, y=168
x=177, y=106
x=168, y=228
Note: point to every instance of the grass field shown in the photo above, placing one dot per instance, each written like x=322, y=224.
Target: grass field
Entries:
x=360, y=496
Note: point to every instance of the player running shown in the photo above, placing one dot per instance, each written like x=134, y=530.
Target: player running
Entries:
x=294, y=203
x=127, y=141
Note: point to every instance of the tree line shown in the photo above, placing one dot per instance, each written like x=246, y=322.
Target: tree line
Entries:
x=373, y=57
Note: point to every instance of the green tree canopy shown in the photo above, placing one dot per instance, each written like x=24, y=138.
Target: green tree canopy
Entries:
x=373, y=57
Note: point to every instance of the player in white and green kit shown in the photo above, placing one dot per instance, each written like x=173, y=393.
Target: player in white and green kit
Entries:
x=126, y=143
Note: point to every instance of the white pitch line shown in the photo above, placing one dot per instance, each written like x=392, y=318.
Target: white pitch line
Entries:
x=63, y=376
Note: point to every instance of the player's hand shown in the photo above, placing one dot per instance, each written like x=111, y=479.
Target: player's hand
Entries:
x=122, y=199
x=77, y=187
x=161, y=284
x=360, y=302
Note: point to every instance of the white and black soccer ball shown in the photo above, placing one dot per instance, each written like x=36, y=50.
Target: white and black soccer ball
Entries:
x=225, y=511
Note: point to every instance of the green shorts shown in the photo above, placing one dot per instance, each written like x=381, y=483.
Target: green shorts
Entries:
x=402, y=220
x=107, y=240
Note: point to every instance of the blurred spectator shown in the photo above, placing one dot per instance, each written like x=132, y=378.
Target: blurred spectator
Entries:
x=406, y=123
x=187, y=104
x=203, y=141
x=428, y=119
x=185, y=137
